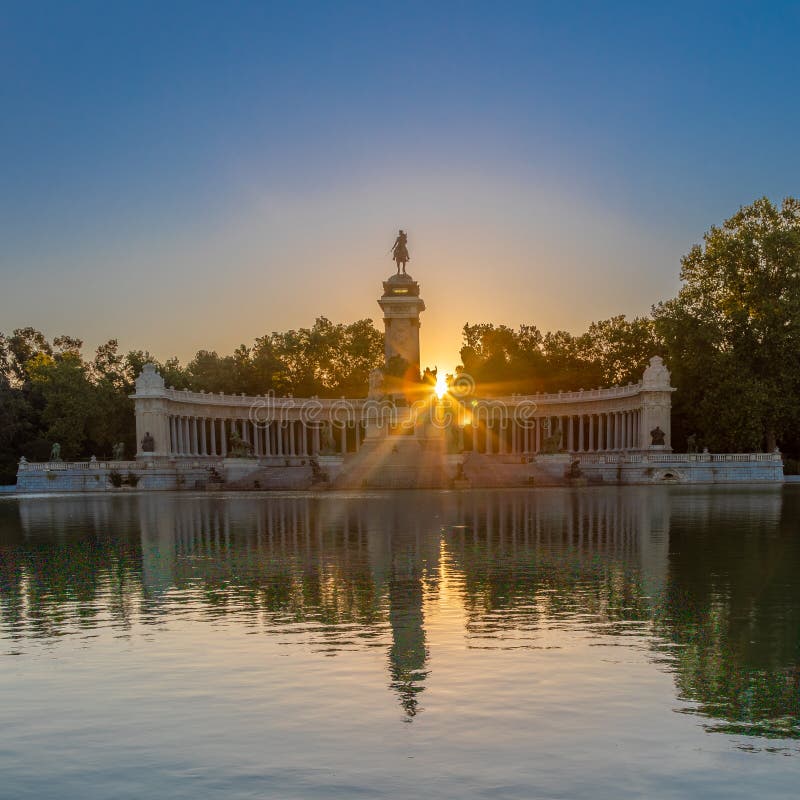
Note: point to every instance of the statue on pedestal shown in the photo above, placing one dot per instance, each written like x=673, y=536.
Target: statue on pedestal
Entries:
x=328, y=446
x=552, y=439
x=55, y=452
x=657, y=437
x=148, y=443
x=400, y=251
x=375, y=384
x=118, y=451
x=239, y=447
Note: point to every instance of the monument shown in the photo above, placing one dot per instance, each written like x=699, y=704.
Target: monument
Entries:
x=401, y=306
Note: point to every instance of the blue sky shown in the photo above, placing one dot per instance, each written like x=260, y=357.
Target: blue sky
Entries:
x=187, y=175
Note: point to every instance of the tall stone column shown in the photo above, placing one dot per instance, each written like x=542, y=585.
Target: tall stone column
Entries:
x=581, y=448
x=151, y=408
x=213, y=436
x=223, y=439
x=268, y=439
x=656, y=404
x=401, y=306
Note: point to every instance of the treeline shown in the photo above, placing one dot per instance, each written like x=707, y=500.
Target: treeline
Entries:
x=50, y=393
x=731, y=339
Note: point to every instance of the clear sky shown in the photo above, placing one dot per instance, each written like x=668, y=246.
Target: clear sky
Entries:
x=193, y=175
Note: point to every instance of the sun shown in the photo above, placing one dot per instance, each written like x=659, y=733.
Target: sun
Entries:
x=441, y=386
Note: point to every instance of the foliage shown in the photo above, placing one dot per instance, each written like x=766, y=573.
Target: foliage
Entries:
x=731, y=339
x=502, y=360
x=733, y=332
x=50, y=393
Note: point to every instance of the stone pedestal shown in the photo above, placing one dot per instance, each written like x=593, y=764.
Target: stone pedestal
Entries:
x=401, y=306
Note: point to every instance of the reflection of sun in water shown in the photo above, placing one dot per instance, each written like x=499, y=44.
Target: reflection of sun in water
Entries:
x=441, y=386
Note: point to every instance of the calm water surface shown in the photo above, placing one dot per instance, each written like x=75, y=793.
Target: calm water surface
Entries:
x=551, y=643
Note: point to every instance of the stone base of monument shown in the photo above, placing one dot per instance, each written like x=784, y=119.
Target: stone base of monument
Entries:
x=551, y=469
x=396, y=462
x=238, y=469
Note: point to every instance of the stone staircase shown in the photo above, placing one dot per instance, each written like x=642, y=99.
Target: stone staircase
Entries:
x=396, y=462
x=269, y=477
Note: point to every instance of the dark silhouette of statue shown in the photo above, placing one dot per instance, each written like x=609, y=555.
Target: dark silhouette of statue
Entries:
x=148, y=443
x=657, y=437
x=400, y=251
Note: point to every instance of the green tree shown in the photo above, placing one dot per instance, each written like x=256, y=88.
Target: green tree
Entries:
x=733, y=332
x=69, y=402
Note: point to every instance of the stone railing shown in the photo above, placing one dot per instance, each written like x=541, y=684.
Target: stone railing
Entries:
x=61, y=466
x=222, y=399
x=610, y=393
x=674, y=458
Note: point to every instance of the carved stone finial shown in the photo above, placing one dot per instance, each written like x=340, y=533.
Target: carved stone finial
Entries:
x=656, y=376
x=149, y=379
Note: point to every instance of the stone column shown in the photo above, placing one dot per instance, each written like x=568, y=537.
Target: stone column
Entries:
x=292, y=448
x=193, y=427
x=304, y=432
x=203, y=444
x=344, y=439
x=538, y=422
x=581, y=448
x=173, y=443
x=223, y=439
x=316, y=440
x=591, y=433
x=267, y=439
x=213, y=422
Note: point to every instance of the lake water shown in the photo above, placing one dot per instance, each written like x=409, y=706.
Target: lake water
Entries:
x=590, y=643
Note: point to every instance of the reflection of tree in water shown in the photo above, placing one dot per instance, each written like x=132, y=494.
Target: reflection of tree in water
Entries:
x=733, y=610
x=73, y=570
x=725, y=598
x=563, y=557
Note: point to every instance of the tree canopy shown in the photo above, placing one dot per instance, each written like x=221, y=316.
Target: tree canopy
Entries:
x=733, y=332
x=731, y=338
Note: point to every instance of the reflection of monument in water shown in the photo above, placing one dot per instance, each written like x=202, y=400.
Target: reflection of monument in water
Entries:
x=379, y=554
x=711, y=576
x=382, y=552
